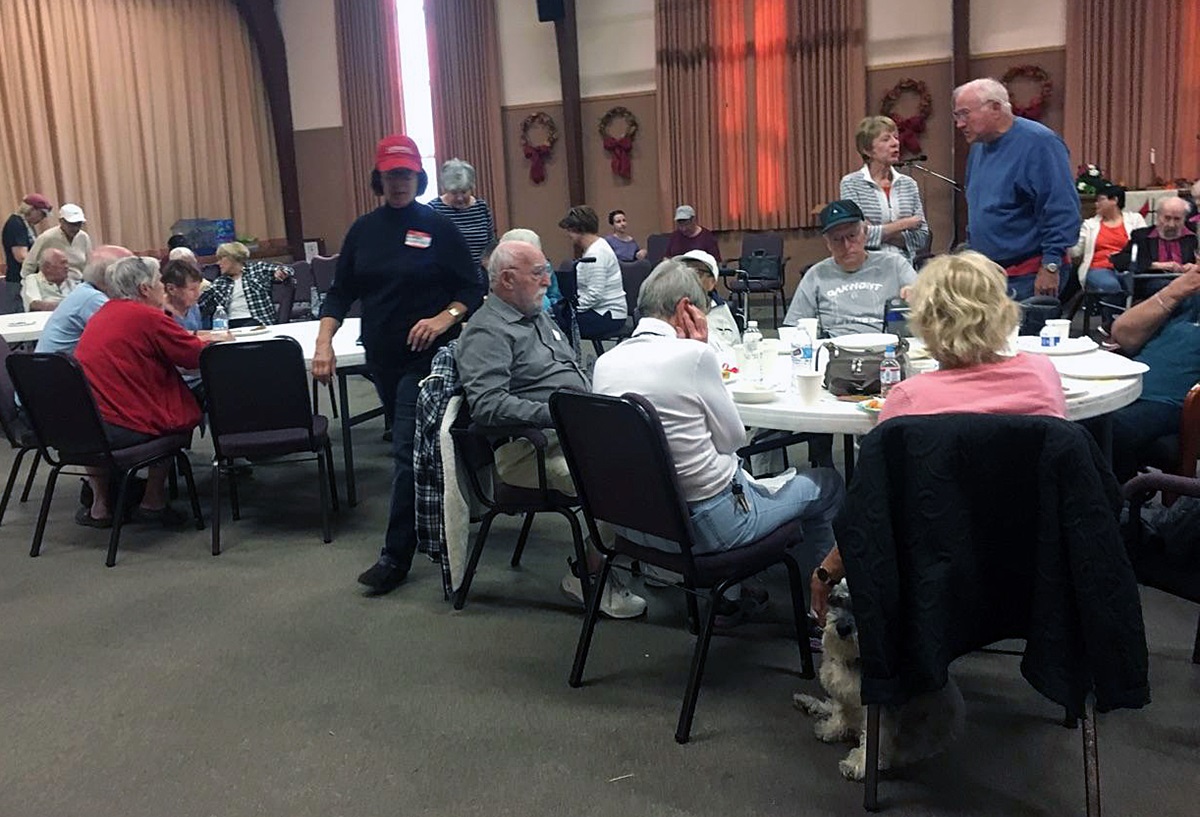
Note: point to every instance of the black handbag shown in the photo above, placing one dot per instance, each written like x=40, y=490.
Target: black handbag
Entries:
x=853, y=373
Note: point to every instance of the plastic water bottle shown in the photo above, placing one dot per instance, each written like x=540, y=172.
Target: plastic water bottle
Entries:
x=889, y=371
x=1048, y=336
x=752, y=347
x=220, y=321
x=802, y=352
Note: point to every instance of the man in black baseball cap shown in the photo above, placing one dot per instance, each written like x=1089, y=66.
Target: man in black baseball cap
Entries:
x=848, y=291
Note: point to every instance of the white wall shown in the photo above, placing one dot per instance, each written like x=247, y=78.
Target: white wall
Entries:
x=920, y=30
x=616, y=50
x=308, y=34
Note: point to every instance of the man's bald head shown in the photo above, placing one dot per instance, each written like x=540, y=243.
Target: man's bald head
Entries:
x=102, y=258
x=1169, y=217
x=54, y=266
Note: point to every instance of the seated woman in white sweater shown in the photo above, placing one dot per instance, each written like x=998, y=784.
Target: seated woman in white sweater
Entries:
x=601, y=294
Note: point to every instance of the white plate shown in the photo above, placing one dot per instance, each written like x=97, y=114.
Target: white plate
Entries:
x=1069, y=346
x=865, y=341
x=1101, y=366
x=752, y=393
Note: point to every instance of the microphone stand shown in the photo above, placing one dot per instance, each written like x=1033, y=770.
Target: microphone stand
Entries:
x=918, y=166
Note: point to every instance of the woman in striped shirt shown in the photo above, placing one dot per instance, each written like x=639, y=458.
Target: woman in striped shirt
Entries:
x=890, y=200
x=470, y=215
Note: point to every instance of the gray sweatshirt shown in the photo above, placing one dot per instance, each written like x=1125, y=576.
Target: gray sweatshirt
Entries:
x=849, y=302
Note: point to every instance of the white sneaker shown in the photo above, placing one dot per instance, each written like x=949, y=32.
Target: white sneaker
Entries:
x=618, y=600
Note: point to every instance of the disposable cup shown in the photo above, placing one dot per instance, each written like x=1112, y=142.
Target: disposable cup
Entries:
x=810, y=325
x=1060, y=327
x=809, y=386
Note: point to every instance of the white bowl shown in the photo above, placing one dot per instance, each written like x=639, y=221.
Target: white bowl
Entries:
x=752, y=393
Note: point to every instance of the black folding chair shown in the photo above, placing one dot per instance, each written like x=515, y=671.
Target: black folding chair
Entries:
x=18, y=434
x=258, y=407
x=475, y=445
x=652, y=504
x=59, y=403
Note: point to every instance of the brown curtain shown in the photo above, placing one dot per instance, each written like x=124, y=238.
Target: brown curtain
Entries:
x=1187, y=131
x=757, y=101
x=372, y=101
x=464, y=78
x=118, y=107
x=1124, y=77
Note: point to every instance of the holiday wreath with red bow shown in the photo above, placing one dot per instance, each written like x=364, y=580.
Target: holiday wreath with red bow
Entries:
x=910, y=127
x=621, y=147
x=538, y=153
x=1036, y=107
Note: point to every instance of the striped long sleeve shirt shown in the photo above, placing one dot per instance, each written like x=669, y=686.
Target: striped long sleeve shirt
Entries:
x=904, y=201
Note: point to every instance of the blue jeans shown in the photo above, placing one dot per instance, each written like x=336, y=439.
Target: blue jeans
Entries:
x=1100, y=279
x=1020, y=287
x=398, y=389
x=1134, y=428
x=814, y=497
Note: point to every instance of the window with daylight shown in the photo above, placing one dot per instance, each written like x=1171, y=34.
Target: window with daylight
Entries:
x=414, y=73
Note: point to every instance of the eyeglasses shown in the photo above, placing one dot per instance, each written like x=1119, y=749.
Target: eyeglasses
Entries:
x=962, y=113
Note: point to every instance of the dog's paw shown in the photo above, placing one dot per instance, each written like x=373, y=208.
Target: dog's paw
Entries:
x=809, y=704
x=854, y=765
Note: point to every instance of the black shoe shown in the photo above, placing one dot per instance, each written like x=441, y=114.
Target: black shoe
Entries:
x=387, y=436
x=166, y=516
x=731, y=612
x=83, y=516
x=382, y=578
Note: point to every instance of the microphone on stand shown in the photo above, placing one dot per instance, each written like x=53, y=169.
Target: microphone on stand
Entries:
x=912, y=160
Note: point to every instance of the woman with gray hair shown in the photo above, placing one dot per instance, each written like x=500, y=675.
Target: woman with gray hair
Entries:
x=131, y=352
x=470, y=215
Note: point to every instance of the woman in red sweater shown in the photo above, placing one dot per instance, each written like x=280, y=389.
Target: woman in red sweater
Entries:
x=131, y=352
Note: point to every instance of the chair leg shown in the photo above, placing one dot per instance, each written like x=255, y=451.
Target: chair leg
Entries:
x=871, y=782
x=316, y=390
x=1196, y=646
x=585, y=581
x=516, y=557
x=216, y=507
x=684, y=730
x=460, y=598
x=323, y=486
x=333, y=403
x=37, y=460
x=173, y=482
x=118, y=518
x=333, y=491
x=693, y=608
x=12, y=480
x=1091, y=760
x=848, y=456
x=799, y=612
x=598, y=347
x=185, y=467
x=234, y=504
x=589, y=623
x=44, y=512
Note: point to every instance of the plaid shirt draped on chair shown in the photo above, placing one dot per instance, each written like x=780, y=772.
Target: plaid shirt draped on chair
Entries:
x=438, y=390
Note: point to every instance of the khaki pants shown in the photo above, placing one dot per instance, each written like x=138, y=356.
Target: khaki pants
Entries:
x=516, y=464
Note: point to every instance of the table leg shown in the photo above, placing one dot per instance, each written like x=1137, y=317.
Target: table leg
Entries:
x=347, y=442
x=848, y=456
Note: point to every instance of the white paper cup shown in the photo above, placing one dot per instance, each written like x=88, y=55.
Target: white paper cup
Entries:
x=809, y=324
x=786, y=333
x=809, y=386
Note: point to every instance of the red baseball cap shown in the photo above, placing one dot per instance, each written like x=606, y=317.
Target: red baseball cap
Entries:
x=397, y=151
x=39, y=201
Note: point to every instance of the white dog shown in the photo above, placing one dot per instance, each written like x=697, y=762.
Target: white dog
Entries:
x=919, y=729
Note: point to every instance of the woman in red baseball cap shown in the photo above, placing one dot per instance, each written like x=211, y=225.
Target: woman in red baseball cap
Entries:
x=18, y=236
x=411, y=270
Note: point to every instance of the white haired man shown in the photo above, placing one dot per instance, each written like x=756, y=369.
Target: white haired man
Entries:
x=45, y=289
x=511, y=357
x=669, y=362
x=1022, y=207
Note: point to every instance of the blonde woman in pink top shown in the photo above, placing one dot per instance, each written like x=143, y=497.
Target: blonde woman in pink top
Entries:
x=961, y=309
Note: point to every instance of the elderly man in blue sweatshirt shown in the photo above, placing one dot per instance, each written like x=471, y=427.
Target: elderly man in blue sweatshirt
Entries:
x=1022, y=208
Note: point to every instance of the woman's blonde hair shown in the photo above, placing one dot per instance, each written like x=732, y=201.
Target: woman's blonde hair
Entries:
x=961, y=309
x=868, y=131
x=234, y=251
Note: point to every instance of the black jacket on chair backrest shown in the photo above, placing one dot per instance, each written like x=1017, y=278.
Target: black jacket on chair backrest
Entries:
x=960, y=530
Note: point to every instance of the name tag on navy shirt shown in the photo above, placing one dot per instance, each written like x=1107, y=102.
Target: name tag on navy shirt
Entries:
x=418, y=239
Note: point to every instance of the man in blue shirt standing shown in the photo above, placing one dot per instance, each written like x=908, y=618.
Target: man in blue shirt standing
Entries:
x=65, y=326
x=1022, y=208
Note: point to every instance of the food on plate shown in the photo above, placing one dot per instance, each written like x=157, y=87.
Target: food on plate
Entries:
x=872, y=404
x=728, y=372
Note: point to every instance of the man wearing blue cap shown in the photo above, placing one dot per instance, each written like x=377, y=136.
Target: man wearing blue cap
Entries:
x=848, y=292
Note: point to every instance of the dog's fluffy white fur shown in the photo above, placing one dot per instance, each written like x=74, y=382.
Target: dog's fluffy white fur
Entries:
x=921, y=728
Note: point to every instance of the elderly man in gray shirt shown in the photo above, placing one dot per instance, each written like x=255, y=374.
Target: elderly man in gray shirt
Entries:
x=511, y=357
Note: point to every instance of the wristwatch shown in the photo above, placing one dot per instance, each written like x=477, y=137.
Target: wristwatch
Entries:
x=824, y=577
x=1052, y=267
x=455, y=312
